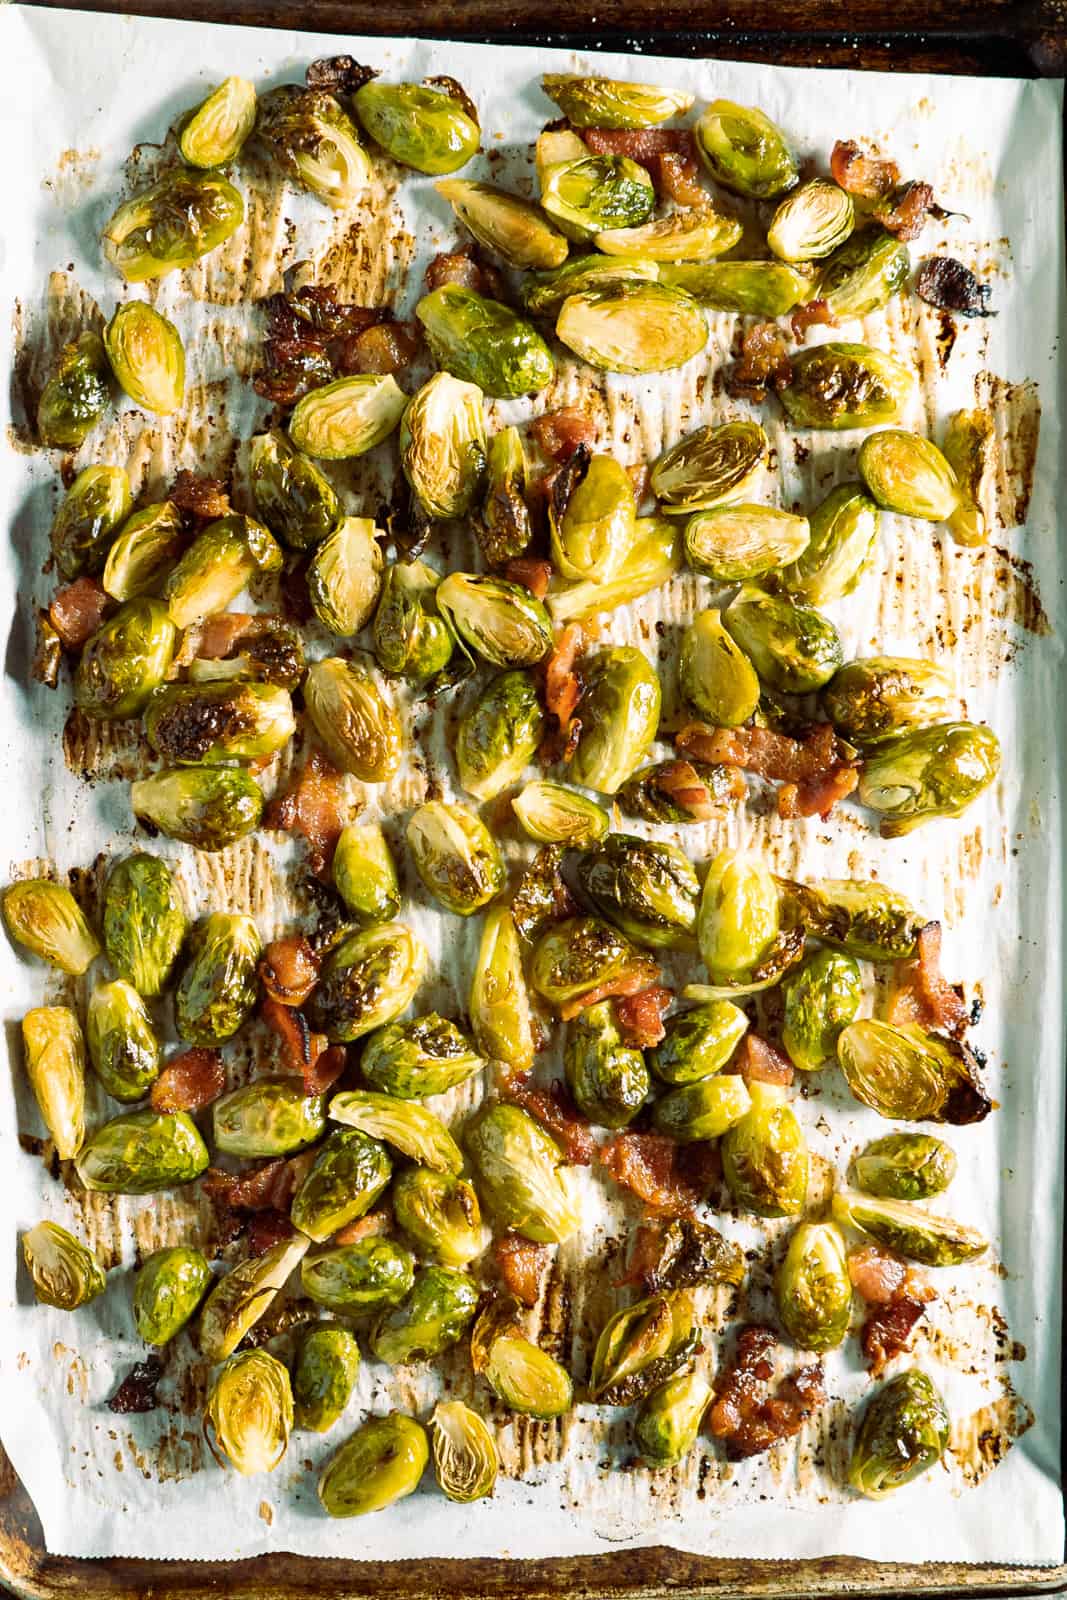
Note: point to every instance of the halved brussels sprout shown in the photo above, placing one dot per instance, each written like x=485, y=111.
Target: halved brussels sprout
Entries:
x=147, y=357
x=324, y=1376
x=517, y=1168
x=123, y=1046
x=503, y=525
x=580, y=954
x=410, y=1128
x=653, y=558
x=435, y=1315
x=207, y=807
x=907, y=474
x=367, y=981
x=593, y=193
x=125, y=661
x=499, y=734
x=904, y=1166
x=712, y=466
x=89, y=515
x=812, y=222
x=715, y=675
x=682, y=791
x=970, y=448
x=499, y=1001
x=77, y=393
x=846, y=386
x=218, y=564
x=909, y=1075
x=913, y=777
x=640, y=1347
x=738, y=918
x=608, y=1080
x=440, y=1213
x=167, y=1291
x=381, y=1463
x=503, y=622
x=178, y=219
x=516, y=229
x=464, y=1452
x=704, y=1109
x=363, y=1276
x=484, y=342
x=238, y=1300
x=45, y=918
x=646, y=888
x=633, y=328
x=315, y=142
x=347, y=417
x=765, y=1155
x=694, y=234
x=410, y=639
x=359, y=729
x=65, y=1272
x=364, y=874
x=754, y=288
x=744, y=151
x=553, y=814
x=865, y=919
x=864, y=274
x=590, y=102
x=872, y=699
x=793, y=647
x=344, y=576
x=812, y=1288
x=291, y=495
x=543, y=293
x=592, y=517
x=903, y=1433
x=426, y=1056
x=418, y=126
x=535, y=903
x=620, y=718
x=213, y=132
x=347, y=1176
x=821, y=998
x=528, y=1380
x=249, y=1411
x=443, y=446
x=698, y=1042
x=219, y=985
x=909, y=1230
x=668, y=1424
x=456, y=856
x=844, y=534
x=146, y=547
x=692, y=1255
x=736, y=542
x=142, y=1152
x=272, y=1116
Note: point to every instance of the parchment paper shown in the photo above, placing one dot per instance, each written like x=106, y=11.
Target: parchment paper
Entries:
x=80, y=92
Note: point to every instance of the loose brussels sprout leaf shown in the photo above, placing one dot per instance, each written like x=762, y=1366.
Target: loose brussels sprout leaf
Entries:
x=697, y=1043
x=553, y=814
x=412, y=1060
x=77, y=393
x=744, y=151
x=499, y=734
x=347, y=417
x=123, y=1046
x=441, y=1215
x=592, y=517
x=464, y=1452
x=344, y=577
x=843, y=536
x=238, y=1300
x=793, y=647
x=620, y=718
x=125, y=661
x=418, y=126
x=912, y=777
x=904, y=1166
x=668, y=1424
x=499, y=1000
x=502, y=622
x=517, y=1168
x=607, y=1079
x=737, y=542
x=410, y=640
x=578, y=955
x=845, y=386
x=634, y=328
x=456, y=856
x=682, y=791
x=141, y=1152
x=65, y=1272
x=528, y=1380
x=595, y=193
x=219, y=984
x=249, y=1412
x=754, y=288
x=812, y=1288
x=167, y=1291
x=443, y=446
x=367, y=981
x=214, y=131
x=147, y=357
x=653, y=559
x=381, y=1463
x=909, y=1075
x=408, y=1127
x=811, y=222
x=902, y=1434
x=503, y=526
x=610, y=103
x=715, y=675
x=543, y=293
x=217, y=566
x=738, y=918
x=144, y=922
x=907, y=474
x=315, y=142
x=364, y=874
x=170, y=225
x=268, y=1117
x=434, y=1315
x=640, y=1347
x=45, y=918
x=349, y=1173
x=363, y=1276
x=821, y=998
x=909, y=1230
x=646, y=888
x=704, y=1109
x=484, y=342
x=324, y=1376
x=92, y=510
x=970, y=448
x=694, y=234
x=292, y=497
x=356, y=724
x=863, y=274
x=516, y=229
x=872, y=699
x=146, y=547
x=765, y=1156
x=712, y=466
x=207, y=807
x=865, y=919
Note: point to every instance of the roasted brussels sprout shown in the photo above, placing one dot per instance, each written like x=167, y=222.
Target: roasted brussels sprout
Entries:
x=364, y=874
x=909, y=1230
x=668, y=1424
x=970, y=448
x=765, y=1156
x=527, y=1379
x=912, y=777
x=442, y=445
x=413, y=1130
x=456, y=856
x=698, y=1042
x=682, y=791
x=904, y=1166
x=653, y=558
x=324, y=1376
x=907, y=474
x=410, y=639
x=865, y=919
x=464, y=1452
x=484, y=342
x=434, y=1315
x=502, y=622
x=315, y=142
x=620, y=717
x=704, y=1109
x=356, y=724
x=419, y=126
x=872, y=699
x=646, y=888
x=90, y=514
x=125, y=661
x=744, y=151
x=543, y=293
x=607, y=1079
x=123, y=1046
x=845, y=386
x=65, y=1272
x=55, y=1065
x=363, y=1276
x=181, y=217
x=738, y=918
x=503, y=525
x=811, y=222
x=754, y=288
x=77, y=393
x=219, y=986
x=291, y=495
x=349, y=1172
x=147, y=357
x=141, y=1152
x=269, y=650
x=596, y=192
x=207, y=807
x=45, y=918
x=249, y=1411
x=412, y=1060
x=609, y=103
x=640, y=1347
x=211, y=135
x=812, y=1288
x=381, y=1463
x=821, y=998
x=578, y=955
x=712, y=466
x=167, y=1291
x=272, y=1116
x=793, y=647
x=634, y=327
x=844, y=533
x=536, y=903
x=213, y=724
x=516, y=229
x=864, y=274
x=347, y=417
x=903, y=1432
x=715, y=675
x=499, y=735
x=909, y=1075
x=218, y=564
x=499, y=1001
x=553, y=814
x=440, y=1213
x=736, y=542
x=694, y=233
x=238, y=1300
x=367, y=981
x=517, y=1167
x=592, y=517
x=146, y=547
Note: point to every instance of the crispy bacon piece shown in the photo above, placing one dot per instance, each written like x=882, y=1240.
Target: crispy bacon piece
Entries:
x=189, y=1082
x=554, y=1109
x=300, y=1047
x=668, y=1177
x=385, y=347
x=522, y=1265
x=267, y=1229
x=817, y=769
x=306, y=333
x=315, y=310
x=817, y=796
x=887, y=1332
x=77, y=610
x=654, y=148
x=876, y=1273
x=757, y=1060
x=679, y=177
x=680, y=783
x=338, y=74
x=326, y=1068
x=532, y=574
x=920, y=993
x=764, y=364
x=640, y=1016
x=897, y=1295
x=563, y=686
x=199, y=499
x=137, y=1391
x=314, y=805
x=743, y=1414
x=681, y=1253
x=289, y=970
x=911, y=206
x=268, y=1187
x=808, y=316
x=294, y=370
x=455, y=266
x=944, y=282
x=866, y=176
x=641, y=975
x=372, y=1226
x=558, y=434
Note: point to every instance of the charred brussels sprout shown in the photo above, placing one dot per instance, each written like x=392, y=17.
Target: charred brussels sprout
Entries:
x=970, y=448
x=793, y=647
x=620, y=718
x=147, y=357
x=219, y=987
x=907, y=474
x=367, y=981
x=517, y=1168
x=705, y=1109
x=364, y=874
x=249, y=1412
x=77, y=393
x=90, y=514
x=712, y=466
x=141, y=1152
x=668, y=1424
x=442, y=445
x=715, y=675
x=315, y=143
x=698, y=1043
x=503, y=526
x=144, y=922
x=182, y=217
x=516, y=229
x=592, y=517
x=902, y=1434
x=653, y=558
x=865, y=919
x=844, y=534
x=267, y=1117
x=45, y=918
x=872, y=699
x=578, y=955
x=212, y=134
x=738, y=918
x=543, y=293
x=441, y=1215
x=553, y=814
x=633, y=328
x=269, y=651
x=381, y=1463
x=527, y=1379
x=499, y=1000
x=736, y=542
x=928, y=772
x=238, y=1300
x=418, y=126
x=349, y=1173
x=324, y=1376
x=218, y=564
x=607, y=1079
x=498, y=736
x=610, y=103
x=690, y=234
x=812, y=1288
x=484, y=342
x=412, y=1060
x=292, y=496
x=207, y=807
x=122, y=1041
x=764, y=1155
x=456, y=856
x=347, y=417
x=434, y=1315
x=146, y=547
x=212, y=724
x=909, y=1075
x=363, y=1276
x=904, y=1166
x=910, y=1230
x=640, y=1347
x=464, y=1452
x=502, y=622
x=821, y=998
x=754, y=288
x=864, y=274
x=410, y=639
x=682, y=791
x=744, y=151
x=586, y=196
x=845, y=386
x=646, y=888
x=65, y=1272
x=358, y=727
x=125, y=661
x=167, y=1292
x=811, y=222
x=410, y=1128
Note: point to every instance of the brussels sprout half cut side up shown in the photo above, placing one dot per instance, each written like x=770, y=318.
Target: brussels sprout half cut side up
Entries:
x=355, y=721
x=744, y=151
x=147, y=357
x=347, y=417
x=456, y=856
x=207, y=807
x=44, y=918
x=464, y=1452
x=65, y=1272
x=516, y=229
x=315, y=143
x=632, y=328
x=211, y=135
x=909, y=1075
x=443, y=445
x=712, y=466
x=249, y=1412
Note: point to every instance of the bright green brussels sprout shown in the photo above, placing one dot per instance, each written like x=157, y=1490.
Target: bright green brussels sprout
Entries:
x=610, y=103
x=907, y=474
x=249, y=1412
x=146, y=547
x=668, y=1424
x=607, y=1079
x=682, y=791
x=909, y=1230
x=812, y=222
x=704, y=1109
x=970, y=448
x=292, y=497
x=516, y=229
x=426, y=1056
x=356, y=724
x=434, y=1315
x=367, y=981
x=553, y=814
x=620, y=718
x=646, y=888
x=213, y=132
x=865, y=919
x=141, y=1152
x=498, y=736
x=904, y=1166
x=821, y=998
x=464, y=1452
x=238, y=1300
x=765, y=1156
x=594, y=193
x=77, y=393
x=91, y=512
x=499, y=1000
x=697, y=1043
x=503, y=524
x=167, y=1291
x=363, y=1276
x=123, y=1046
x=456, y=856
x=45, y=918
x=633, y=328
x=125, y=661
x=347, y=417
x=872, y=699
x=812, y=1288
x=738, y=918
x=315, y=143
x=736, y=542
x=517, y=1168
x=592, y=516
x=864, y=274
x=65, y=1272
x=171, y=224
x=344, y=576
x=754, y=288
x=207, y=807
x=640, y=1347
x=793, y=647
x=484, y=342
x=272, y=1116
x=845, y=386
x=213, y=724
x=381, y=1463
x=744, y=151
x=144, y=922
x=410, y=1128
x=714, y=673
x=909, y=1075
x=440, y=1214
x=422, y=127
x=442, y=445
x=410, y=639
x=349, y=1172
x=844, y=534
x=527, y=1379
x=924, y=773
x=364, y=874
x=266, y=650
x=147, y=357
x=219, y=985
x=502, y=622
x=543, y=293
x=580, y=954
x=694, y=233
x=653, y=558
x=712, y=466
x=218, y=564
x=324, y=1376
x=902, y=1434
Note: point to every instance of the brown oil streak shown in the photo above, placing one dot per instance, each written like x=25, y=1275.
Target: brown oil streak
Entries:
x=980, y=1441
x=1016, y=410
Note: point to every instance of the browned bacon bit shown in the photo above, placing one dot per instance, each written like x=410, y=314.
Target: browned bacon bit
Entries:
x=817, y=796
x=554, y=1109
x=316, y=310
x=313, y=805
x=292, y=373
x=522, y=1265
x=818, y=769
x=372, y=1226
x=645, y=145
x=267, y=1229
x=455, y=266
x=563, y=688
x=681, y=1254
x=640, y=974
x=921, y=995
x=217, y=636
x=264, y=1188
x=905, y=213
x=77, y=610
x=640, y=1016
x=387, y=347
x=944, y=282
x=759, y=1061
x=808, y=316
x=326, y=1068
x=876, y=1273
x=898, y=1296
x=743, y=1415
x=137, y=1391
x=559, y=433
x=338, y=74
x=301, y=347
x=658, y=1170
x=679, y=178
x=764, y=364
x=289, y=970
x=300, y=1047
x=190, y=1082
x=532, y=574
x=47, y=652
x=866, y=176
x=199, y=499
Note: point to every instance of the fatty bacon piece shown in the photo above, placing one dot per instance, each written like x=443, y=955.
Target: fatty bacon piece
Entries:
x=866, y=176
x=77, y=610
x=667, y=154
x=289, y=970
x=532, y=574
x=314, y=805
x=764, y=364
x=756, y=1060
x=554, y=1109
x=669, y=1178
x=897, y=1296
x=815, y=772
x=921, y=995
x=189, y=1082
x=744, y=1414
x=522, y=1265
x=907, y=210
x=558, y=434
x=384, y=347
x=640, y=1016
x=319, y=1063
x=563, y=690
x=816, y=313
x=199, y=500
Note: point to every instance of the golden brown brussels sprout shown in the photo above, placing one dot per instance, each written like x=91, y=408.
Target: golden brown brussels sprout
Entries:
x=364, y=874
x=147, y=357
x=909, y=1075
x=592, y=517
x=528, y=1380
x=483, y=342
x=646, y=888
x=77, y=393
x=367, y=981
x=865, y=919
x=347, y=417
x=516, y=229
x=793, y=647
x=712, y=466
x=608, y=1080
x=634, y=328
x=410, y=1128
x=909, y=1230
x=736, y=542
x=698, y=1042
x=122, y=1041
x=928, y=772
x=249, y=1412
x=464, y=1452
x=443, y=446
x=358, y=727
x=503, y=524
x=291, y=495
x=812, y=1288
x=907, y=474
x=207, y=807
x=610, y=103
x=213, y=132
x=744, y=151
x=344, y=577
x=218, y=564
x=420, y=127
x=864, y=274
x=499, y=1000
x=543, y=293
x=440, y=1213
x=426, y=1056
x=653, y=559
x=410, y=640
x=146, y=547
x=705, y=1109
x=502, y=622
x=872, y=699
x=168, y=1289
x=180, y=218
x=381, y=1463
x=902, y=1434
x=238, y=1300
x=517, y=1168
x=219, y=986
x=315, y=143
x=553, y=814
x=738, y=918
x=434, y=1315
x=125, y=661
x=844, y=533
x=91, y=512
x=456, y=856
x=693, y=234
x=593, y=193
x=754, y=288
x=324, y=1376
x=640, y=1347
x=363, y=1276
x=682, y=791
x=811, y=222
x=349, y=1173
x=268, y=1117
x=499, y=734
x=764, y=1155
x=715, y=675
x=668, y=1424
x=141, y=1152
x=970, y=448
x=45, y=918
x=578, y=955
x=620, y=717
x=904, y=1166
x=65, y=1272
x=821, y=998
x=845, y=386
x=144, y=922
